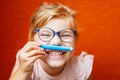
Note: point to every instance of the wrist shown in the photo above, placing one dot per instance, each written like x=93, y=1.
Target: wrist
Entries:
x=20, y=75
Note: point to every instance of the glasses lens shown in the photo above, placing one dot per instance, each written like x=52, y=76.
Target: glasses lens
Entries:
x=45, y=34
x=67, y=35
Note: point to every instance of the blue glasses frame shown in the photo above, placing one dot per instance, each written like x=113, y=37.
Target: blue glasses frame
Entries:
x=54, y=33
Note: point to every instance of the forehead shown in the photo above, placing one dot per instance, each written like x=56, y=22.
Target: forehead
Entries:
x=58, y=24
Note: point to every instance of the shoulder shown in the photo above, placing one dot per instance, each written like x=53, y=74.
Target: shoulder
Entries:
x=82, y=64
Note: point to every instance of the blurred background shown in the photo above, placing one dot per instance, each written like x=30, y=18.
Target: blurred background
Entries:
x=98, y=24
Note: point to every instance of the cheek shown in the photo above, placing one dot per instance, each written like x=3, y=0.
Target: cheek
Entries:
x=72, y=44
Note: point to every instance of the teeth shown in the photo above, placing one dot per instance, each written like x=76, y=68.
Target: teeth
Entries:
x=57, y=53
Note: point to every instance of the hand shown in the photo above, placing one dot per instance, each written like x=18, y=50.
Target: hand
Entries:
x=28, y=55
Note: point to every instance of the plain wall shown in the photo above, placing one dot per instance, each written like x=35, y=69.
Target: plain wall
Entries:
x=98, y=24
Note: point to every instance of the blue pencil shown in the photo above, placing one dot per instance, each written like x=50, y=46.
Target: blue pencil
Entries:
x=60, y=48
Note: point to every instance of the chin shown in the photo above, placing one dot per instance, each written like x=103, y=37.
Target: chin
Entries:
x=56, y=63
x=57, y=58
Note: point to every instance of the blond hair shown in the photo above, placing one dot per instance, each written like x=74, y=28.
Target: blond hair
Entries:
x=46, y=12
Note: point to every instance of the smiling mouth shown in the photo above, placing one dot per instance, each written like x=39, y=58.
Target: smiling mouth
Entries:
x=56, y=52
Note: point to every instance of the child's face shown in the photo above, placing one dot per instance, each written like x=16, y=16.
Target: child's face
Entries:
x=56, y=58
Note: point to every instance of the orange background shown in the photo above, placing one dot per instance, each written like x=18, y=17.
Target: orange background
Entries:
x=98, y=24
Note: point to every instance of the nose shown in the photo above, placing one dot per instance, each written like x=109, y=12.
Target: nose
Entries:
x=56, y=40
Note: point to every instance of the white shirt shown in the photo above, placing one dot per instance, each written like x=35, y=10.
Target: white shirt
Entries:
x=78, y=68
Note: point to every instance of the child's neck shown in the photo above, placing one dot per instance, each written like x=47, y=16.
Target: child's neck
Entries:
x=51, y=70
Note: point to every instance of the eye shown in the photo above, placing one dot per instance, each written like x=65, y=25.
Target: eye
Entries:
x=66, y=35
x=45, y=34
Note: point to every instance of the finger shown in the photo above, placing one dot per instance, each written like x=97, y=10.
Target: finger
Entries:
x=24, y=55
x=35, y=52
x=34, y=58
x=31, y=43
x=31, y=47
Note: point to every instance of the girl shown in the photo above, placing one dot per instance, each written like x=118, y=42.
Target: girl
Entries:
x=51, y=24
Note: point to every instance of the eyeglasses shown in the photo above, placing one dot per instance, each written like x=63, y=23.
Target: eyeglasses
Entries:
x=46, y=34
